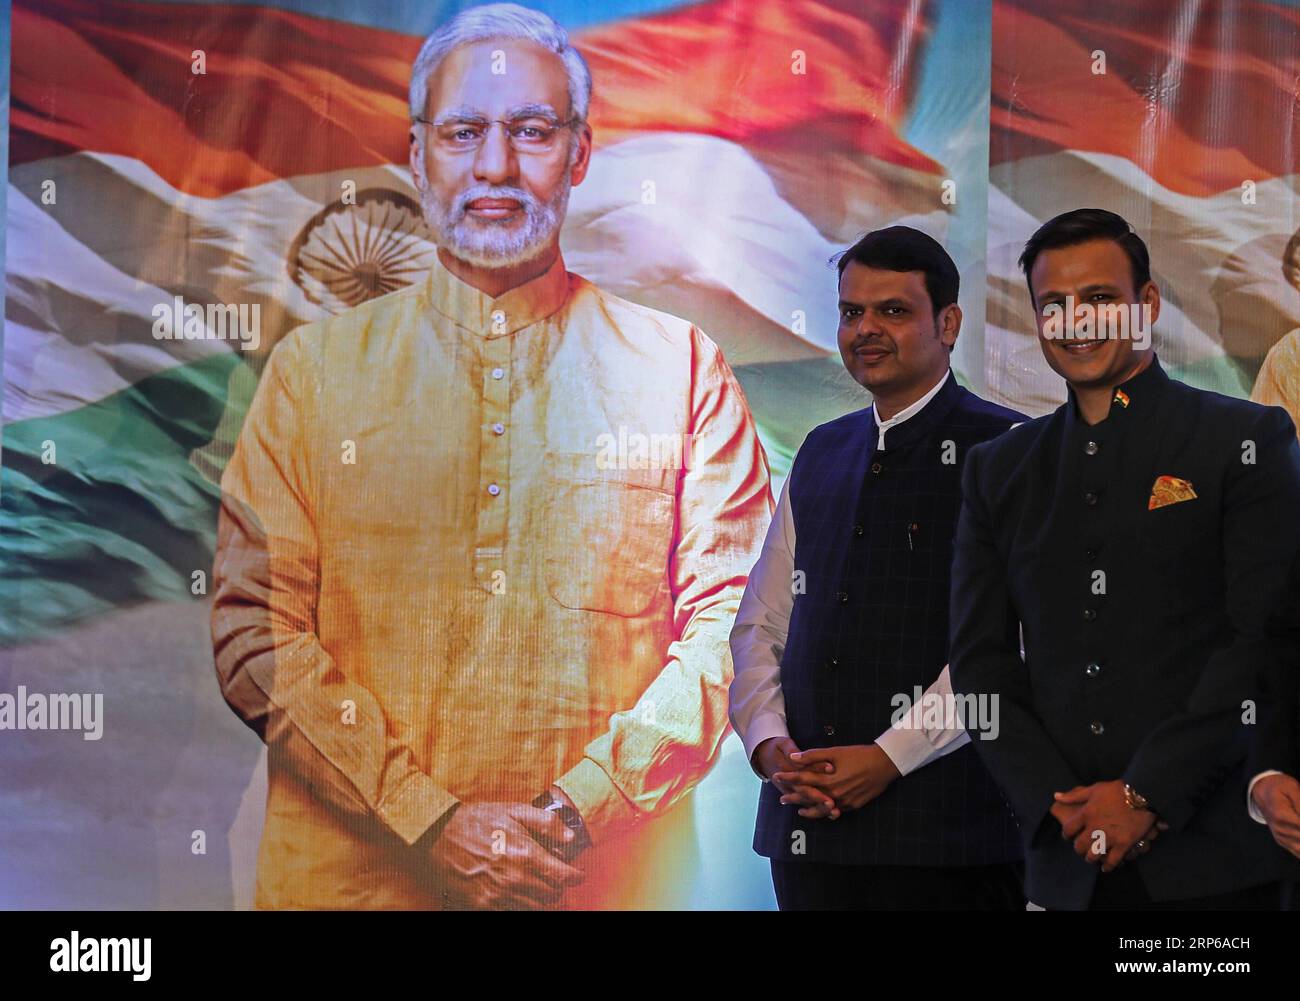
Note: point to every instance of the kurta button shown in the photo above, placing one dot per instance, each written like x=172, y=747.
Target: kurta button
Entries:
x=858, y=530
x=498, y=373
x=1090, y=498
x=828, y=730
x=876, y=467
x=1097, y=729
x=498, y=428
x=1092, y=670
x=1089, y=614
x=1091, y=448
x=493, y=489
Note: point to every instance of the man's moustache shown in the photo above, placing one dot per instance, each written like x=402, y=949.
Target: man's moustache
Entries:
x=526, y=201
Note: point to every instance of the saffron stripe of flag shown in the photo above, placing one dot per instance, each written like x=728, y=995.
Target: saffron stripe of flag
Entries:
x=1201, y=97
x=283, y=94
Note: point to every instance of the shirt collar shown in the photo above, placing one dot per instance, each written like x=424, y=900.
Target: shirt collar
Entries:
x=513, y=310
x=911, y=410
x=1134, y=396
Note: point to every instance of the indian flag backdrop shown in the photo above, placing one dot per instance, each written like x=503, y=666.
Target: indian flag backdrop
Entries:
x=771, y=133
x=1184, y=117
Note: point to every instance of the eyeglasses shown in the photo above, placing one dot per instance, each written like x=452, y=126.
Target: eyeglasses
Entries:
x=525, y=135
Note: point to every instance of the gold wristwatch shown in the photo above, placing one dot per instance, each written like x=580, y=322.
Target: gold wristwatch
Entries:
x=1134, y=799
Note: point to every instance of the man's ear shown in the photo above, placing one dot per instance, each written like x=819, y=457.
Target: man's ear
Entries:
x=1151, y=297
x=581, y=156
x=417, y=163
x=949, y=324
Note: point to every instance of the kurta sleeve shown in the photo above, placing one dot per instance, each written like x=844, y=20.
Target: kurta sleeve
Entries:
x=273, y=671
x=655, y=751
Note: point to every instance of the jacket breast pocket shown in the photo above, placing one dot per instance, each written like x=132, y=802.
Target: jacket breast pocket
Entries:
x=1182, y=541
x=608, y=533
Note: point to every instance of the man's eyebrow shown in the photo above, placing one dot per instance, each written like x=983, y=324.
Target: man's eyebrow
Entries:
x=890, y=303
x=533, y=111
x=472, y=115
x=1046, y=294
x=461, y=114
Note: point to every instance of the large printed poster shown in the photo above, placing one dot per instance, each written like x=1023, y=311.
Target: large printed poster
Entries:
x=193, y=186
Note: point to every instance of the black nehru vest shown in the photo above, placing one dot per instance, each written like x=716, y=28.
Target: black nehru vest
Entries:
x=873, y=548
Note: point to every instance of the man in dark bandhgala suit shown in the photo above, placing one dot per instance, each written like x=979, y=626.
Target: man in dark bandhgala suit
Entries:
x=1132, y=543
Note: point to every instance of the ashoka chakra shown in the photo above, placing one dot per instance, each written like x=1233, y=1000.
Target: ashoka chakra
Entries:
x=347, y=254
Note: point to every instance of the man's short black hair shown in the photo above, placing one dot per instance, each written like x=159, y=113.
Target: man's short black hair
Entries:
x=902, y=248
x=1080, y=226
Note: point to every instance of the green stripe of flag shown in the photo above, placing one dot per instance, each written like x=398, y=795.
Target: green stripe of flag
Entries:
x=124, y=513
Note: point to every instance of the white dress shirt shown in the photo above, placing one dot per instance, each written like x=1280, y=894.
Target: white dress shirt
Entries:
x=1256, y=814
x=757, y=708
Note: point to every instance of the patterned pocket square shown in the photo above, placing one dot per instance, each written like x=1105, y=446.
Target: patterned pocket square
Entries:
x=1169, y=490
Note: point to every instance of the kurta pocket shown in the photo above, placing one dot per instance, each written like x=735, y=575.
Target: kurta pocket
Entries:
x=609, y=534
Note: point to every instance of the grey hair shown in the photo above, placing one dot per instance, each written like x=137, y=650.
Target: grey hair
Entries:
x=500, y=20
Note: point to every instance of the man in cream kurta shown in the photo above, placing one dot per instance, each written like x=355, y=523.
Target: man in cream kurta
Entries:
x=477, y=546
x=1278, y=382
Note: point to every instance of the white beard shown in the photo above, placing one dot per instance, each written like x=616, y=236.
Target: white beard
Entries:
x=492, y=244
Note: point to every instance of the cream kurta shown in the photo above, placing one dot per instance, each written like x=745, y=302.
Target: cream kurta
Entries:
x=1278, y=382
x=467, y=519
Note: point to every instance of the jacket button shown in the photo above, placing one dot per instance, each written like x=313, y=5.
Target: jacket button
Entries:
x=832, y=662
x=876, y=467
x=858, y=530
x=843, y=596
x=1092, y=670
x=828, y=730
x=1090, y=553
x=1091, y=448
x=1090, y=498
x=1089, y=614
x=1097, y=729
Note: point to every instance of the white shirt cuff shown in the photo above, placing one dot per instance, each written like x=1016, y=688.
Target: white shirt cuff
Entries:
x=909, y=748
x=910, y=743
x=762, y=727
x=1251, y=808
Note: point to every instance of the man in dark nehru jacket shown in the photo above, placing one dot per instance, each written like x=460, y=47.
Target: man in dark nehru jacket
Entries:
x=873, y=797
x=1137, y=538
x=1274, y=792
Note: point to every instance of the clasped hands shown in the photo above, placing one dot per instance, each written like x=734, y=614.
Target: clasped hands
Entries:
x=503, y=856
x=1103, y=827
x=1278, y=799
x=824, y=782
